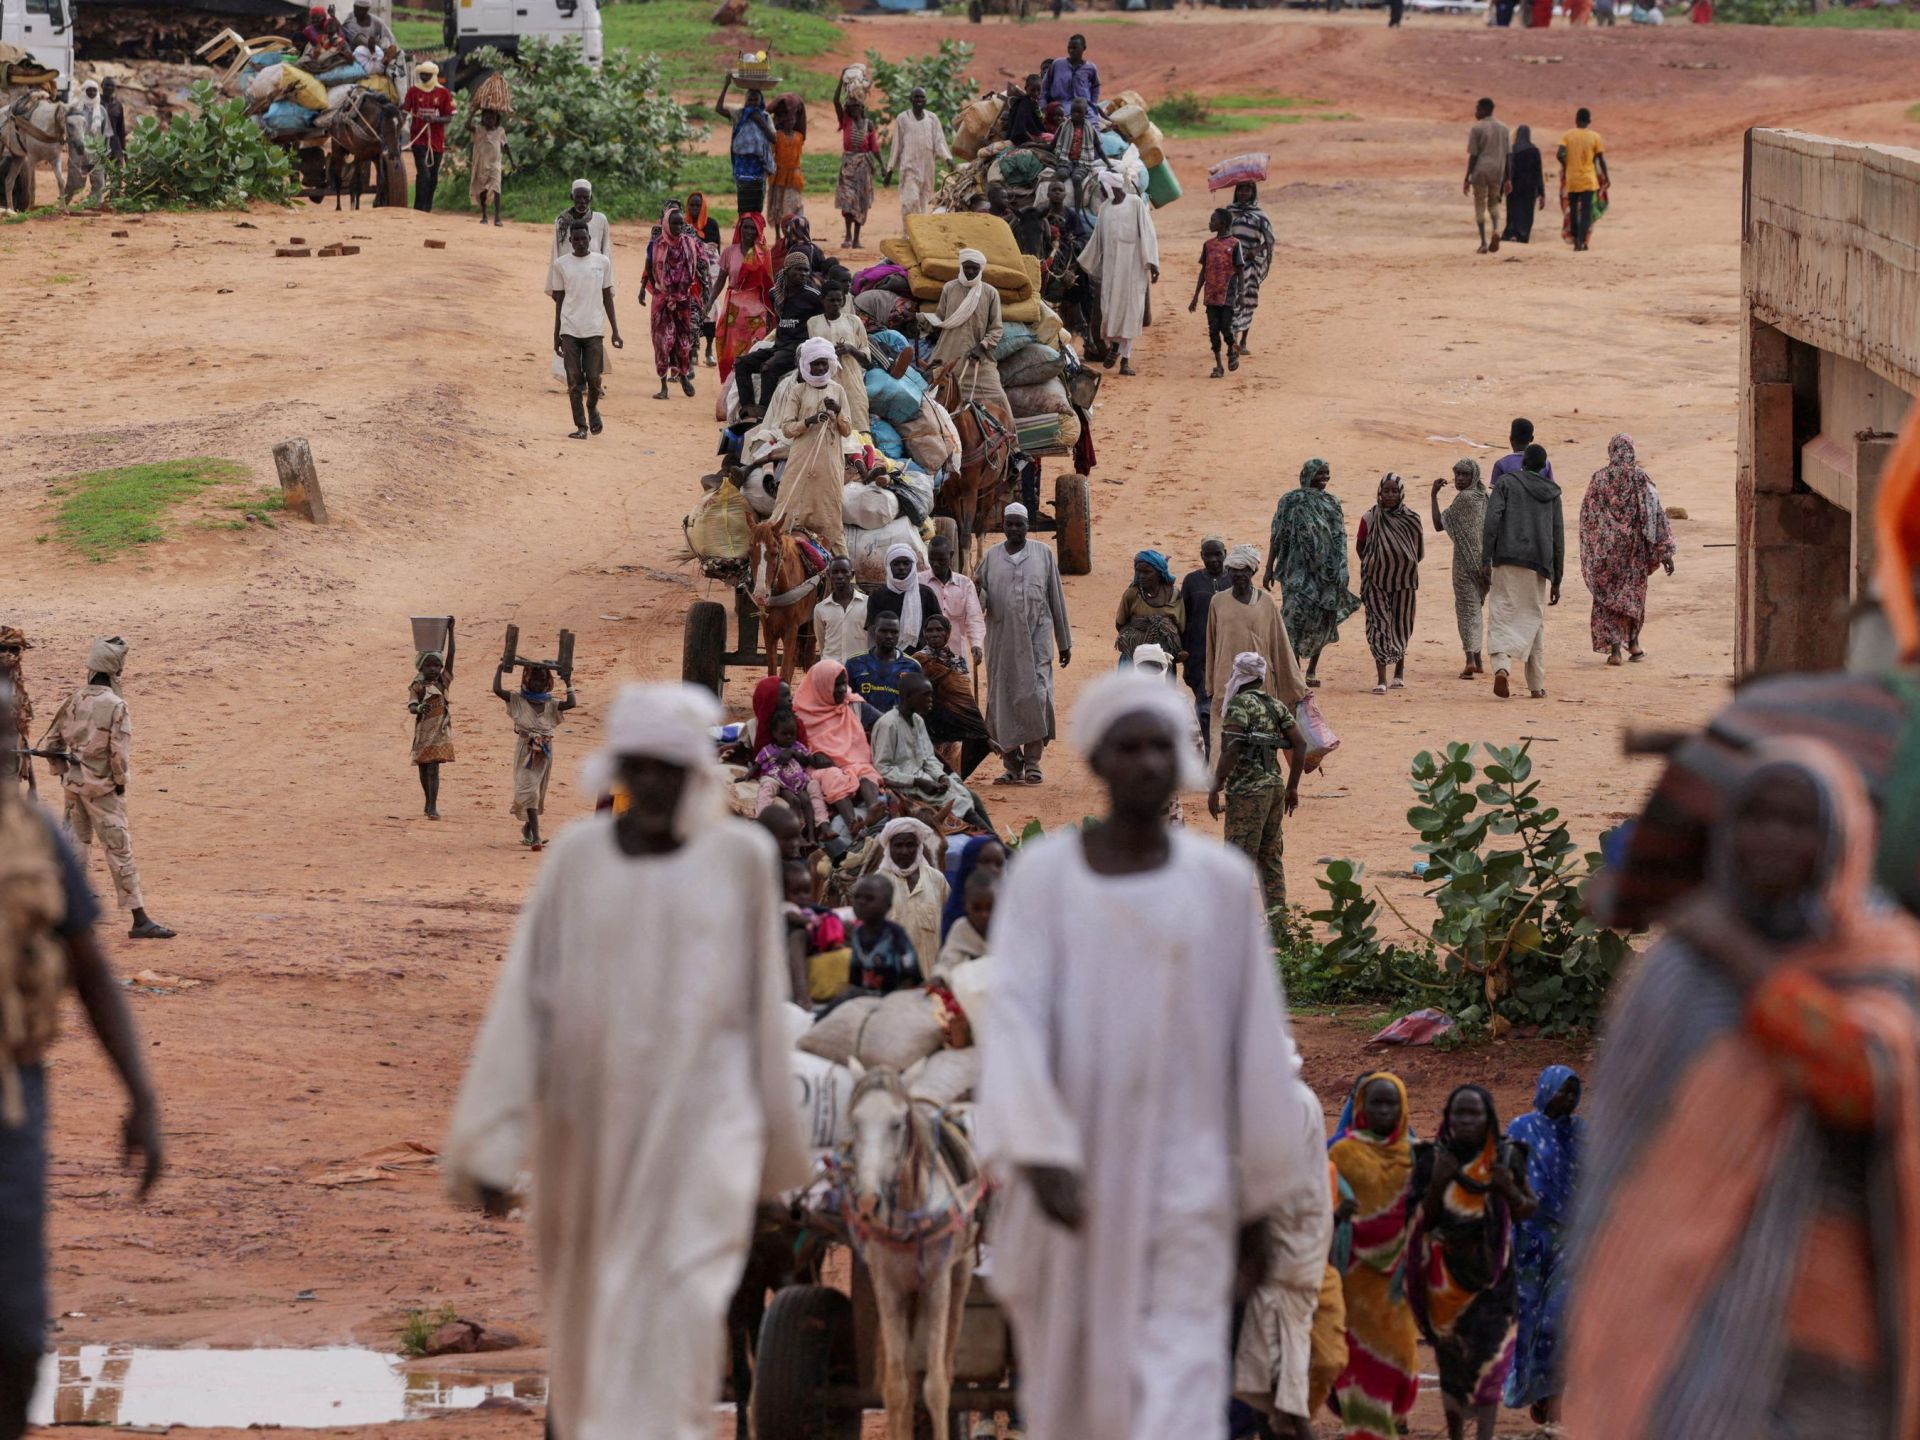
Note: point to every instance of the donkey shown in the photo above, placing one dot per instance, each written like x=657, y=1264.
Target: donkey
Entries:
x=911, y=1189
x=33, y=132
x=980, y=467
x=363, y=133
x=784, y=594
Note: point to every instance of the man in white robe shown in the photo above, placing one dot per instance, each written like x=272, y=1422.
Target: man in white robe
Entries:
x=634, y=1049
x=919, y=144
x=1135, y=1096
x=1123, y=257
x=1026, y=610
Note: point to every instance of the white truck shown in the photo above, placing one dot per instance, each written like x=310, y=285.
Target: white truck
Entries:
x=44, y=29
x=503, y=24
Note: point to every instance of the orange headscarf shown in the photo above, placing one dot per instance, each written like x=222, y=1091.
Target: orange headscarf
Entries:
x=832, y=729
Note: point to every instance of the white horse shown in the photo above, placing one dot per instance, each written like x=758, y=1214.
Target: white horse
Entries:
x=911, y=1189
x=31, y=137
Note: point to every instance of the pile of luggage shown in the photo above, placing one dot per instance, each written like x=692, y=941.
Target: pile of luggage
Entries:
x=288, y=100
x=1129, y=140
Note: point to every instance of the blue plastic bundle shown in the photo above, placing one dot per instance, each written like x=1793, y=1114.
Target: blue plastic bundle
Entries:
x=887, y=440
x=1113, y=144
x=266, y=58
x=895, y=400
x=285, y=117
x=342, y=75
x=1013, y=337
x=888, y=342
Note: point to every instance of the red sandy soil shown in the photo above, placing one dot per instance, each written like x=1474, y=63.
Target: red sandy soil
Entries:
x=346, y=948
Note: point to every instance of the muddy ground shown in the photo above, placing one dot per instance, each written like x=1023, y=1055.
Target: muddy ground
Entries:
x=343, y=948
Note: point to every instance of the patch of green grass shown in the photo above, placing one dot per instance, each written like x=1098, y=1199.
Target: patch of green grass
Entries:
x=108, y=511
x=62, y=279
x=1188, y=116
x=420, y=35
x=416, y=1331
x=1264, y=102
x=1913, y=113
x=538, y=202
x=1876, y=18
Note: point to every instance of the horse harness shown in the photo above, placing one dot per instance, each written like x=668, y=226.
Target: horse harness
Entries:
x=930, y=1230
x=24, y=106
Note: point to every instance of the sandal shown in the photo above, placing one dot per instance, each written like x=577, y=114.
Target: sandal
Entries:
x=152, y=930
x=1468, y=673
x=1500, y=686
x=1034, y=777
x=1399, y=682
x=1613, y=656
x=1313, y=682
x=1636, y=656
x=1380, y=689
x=1536, y=694
x=1010, y=777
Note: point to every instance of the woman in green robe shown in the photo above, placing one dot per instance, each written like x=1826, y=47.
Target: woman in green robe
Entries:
x=1307, y=554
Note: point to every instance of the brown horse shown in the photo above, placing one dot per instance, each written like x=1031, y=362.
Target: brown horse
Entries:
x=364, y=132
x=783, y=593
x=970, y=494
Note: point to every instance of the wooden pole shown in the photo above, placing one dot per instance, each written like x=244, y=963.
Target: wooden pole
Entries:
x=566, y=656
x=299, y=481
x=507, y=651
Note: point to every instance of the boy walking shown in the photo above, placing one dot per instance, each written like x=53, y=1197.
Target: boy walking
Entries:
x=581, y=283
x=536, y=716
x=1221, y=264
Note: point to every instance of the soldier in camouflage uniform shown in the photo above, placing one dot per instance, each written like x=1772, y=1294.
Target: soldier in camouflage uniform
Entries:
x=92, y=726
x=13, y=644
x=46, y=943
x=1255, y=727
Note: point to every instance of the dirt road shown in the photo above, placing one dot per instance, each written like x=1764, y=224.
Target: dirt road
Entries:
x=345, y=947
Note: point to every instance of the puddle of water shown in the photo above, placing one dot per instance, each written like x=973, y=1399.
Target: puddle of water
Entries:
x=134, y=1385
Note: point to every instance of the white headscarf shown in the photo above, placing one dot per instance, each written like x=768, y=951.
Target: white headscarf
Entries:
x=929, y=843
x=810, y=351
x=975, y=288
x=910, y=616
x=1152, y=658
x=1111, y=182
x=1243, y=557
x=1016, y=508
x=1249, y=668
x=669, y=721
x=1119, y=693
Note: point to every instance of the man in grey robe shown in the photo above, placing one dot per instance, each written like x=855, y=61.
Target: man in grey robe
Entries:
x=1026, y=610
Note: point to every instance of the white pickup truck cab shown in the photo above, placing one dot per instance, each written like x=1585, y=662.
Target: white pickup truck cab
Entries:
x=503, y=24
x=44, y=29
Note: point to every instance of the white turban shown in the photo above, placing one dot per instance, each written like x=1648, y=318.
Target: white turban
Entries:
x=1111, y=182
x=670, y=721
x=810, y=351
x=975, y=288
x=1243, y=557
x=1016, y=508
x=911, y=618
x=1249, y=668
x=929, y=843
x=1152, y=658
x=1119, y=693
x=586, y=185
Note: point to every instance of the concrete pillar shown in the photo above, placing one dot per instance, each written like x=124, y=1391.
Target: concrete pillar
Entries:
x=1870, y=455
x=1797, y=570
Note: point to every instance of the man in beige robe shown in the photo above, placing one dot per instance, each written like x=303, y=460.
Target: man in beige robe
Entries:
x=919, y=144
x=1244, y=617
x=810, y=409
x=968, y=319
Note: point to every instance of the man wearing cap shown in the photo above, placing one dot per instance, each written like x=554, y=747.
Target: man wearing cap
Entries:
x=13, y=644
x=431, y=105
x=92, y=726
x=635, y=1057
x=919, y=143
x=1241, y=618
x=599, y=234
x=1026, y=610
x=364, y=30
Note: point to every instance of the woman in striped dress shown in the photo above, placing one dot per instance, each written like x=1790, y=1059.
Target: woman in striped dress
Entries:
x=1463, y=521
x=1391, y=545
x=1375, y=1158
x=1255, y=233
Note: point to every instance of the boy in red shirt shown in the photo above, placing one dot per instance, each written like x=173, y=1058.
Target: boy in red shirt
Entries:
x=431, y=105
x=1221, y=263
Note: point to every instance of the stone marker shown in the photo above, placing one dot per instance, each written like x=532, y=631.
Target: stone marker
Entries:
x=299, y=481
x=436, y=244
x=120, y=234
x=290, y=253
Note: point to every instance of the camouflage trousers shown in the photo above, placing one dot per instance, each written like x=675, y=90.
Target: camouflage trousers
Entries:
x=1253, y=823
x=105, y=816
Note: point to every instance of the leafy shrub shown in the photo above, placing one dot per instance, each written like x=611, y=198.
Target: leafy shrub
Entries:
x=1513, y=943
x=941, y=74
x=1186, y=108
x=213, y=157
x=615, y=125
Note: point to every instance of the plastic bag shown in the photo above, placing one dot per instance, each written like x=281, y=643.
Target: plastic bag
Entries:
x=1049, y=397
x=822, y=1090
x=887, y=440
x=302, y=88
x=868, y=507
x=1014, y=337
x=266, y=82
x=868, y=549
x=895, y=400
x=1034, y=365
x=720, y=526
x=914, y=490
x=1315, y=732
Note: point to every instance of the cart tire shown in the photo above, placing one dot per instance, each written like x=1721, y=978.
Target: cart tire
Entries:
x=1073, y=519
x=393, y=183
x=806, y=1344
x=949, y=527
x=703, y=646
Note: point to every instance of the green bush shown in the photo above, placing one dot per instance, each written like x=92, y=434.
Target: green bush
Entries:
x=615, y=125
x=941, y=74
x=1186, y=108
x=213, y=157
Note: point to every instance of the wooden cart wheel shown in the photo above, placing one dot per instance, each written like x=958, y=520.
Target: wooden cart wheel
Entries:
x=806, y=1345
x=393, y=182
x=948, y=526
x=703, y=646
x=1073, y=519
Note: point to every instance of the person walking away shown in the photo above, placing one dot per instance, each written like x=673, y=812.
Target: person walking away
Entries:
x=1197, y=589
x=1583, y=173
x=536, y=717
x=1527, y=190
x=1255, y=728
x=428, y=701
x=1762, y=1056
x=1524, y=549
x=1151, y=611
x=1554, y=1137
x=786, y=192
x=1026, y=610
x=859, y=145
x=750, y=149
x=1395, y=10
x=1135, y=1102
x=581, y=283
x=813, y=416
x=431, y=105
x=954, y=720
x=1465, y=523
x=1391, y=544
x=841, y=328
x=13, y=647
x=1222, y=268
x=49, y=944
x=1374, y=1158
x=840, y=617
x=1254, y=231
x=116, y=119
x=1488, y=146
x=877, y=675
x=968, y=330
x=1123, y=257
x=917, y=148
x=86, y=122
x=599, y=232
x=707, y=231
x=1519, y=437
x=635, y=1055
x=959, y=601
x=1467, y=1189
x=92, y=726
x=1307, y=554
x=673, y=274
x=486, y=163
x=1624, y=538
x=746, y=269
x=1245, y=618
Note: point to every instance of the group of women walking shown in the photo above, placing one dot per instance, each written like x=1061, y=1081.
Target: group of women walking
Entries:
x=1624, y=538
x=1458, y=1241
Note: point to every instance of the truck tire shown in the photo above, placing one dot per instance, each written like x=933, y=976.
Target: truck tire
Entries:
x=1073, y=519
x=703, y=645
x=806, y=1344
